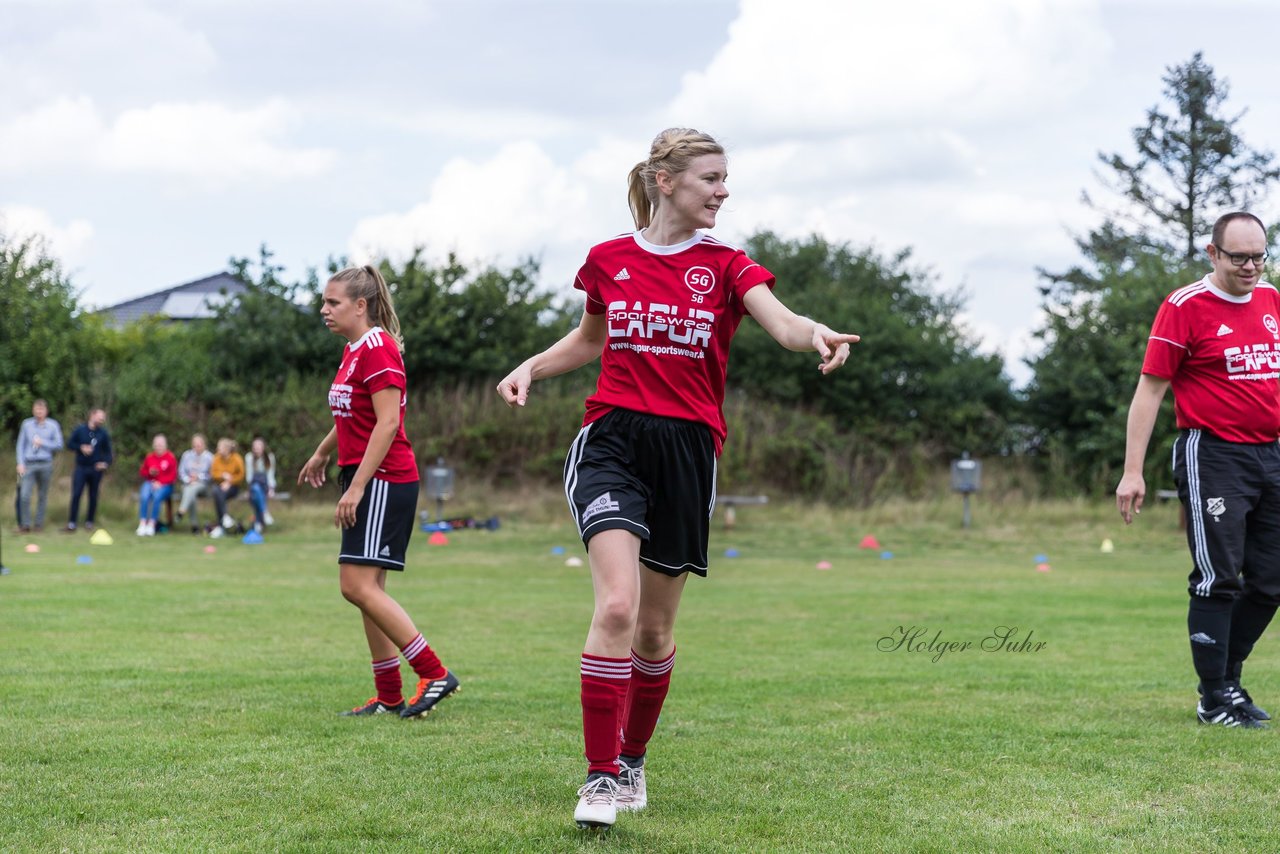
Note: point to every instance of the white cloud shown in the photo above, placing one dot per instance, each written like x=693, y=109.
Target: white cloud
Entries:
x=66, y=242
x=516, y=203
x=120, y=47
x=853, y=67
x=207, y=141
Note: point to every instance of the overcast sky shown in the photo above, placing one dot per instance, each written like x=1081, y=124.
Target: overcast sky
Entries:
x=151, y=141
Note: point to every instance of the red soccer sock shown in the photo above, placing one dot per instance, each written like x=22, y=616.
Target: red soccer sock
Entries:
x=422, y=659
x=649, y=683
x=386, y=678
x=604, y=690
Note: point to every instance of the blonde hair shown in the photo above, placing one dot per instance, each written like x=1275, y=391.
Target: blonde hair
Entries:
x=673, y=150
x=367, y=283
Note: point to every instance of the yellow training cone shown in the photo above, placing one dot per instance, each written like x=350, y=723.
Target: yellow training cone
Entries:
x=101, y=538
x=1108, y=547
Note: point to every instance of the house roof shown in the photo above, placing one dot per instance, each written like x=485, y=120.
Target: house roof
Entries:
x=190, y=301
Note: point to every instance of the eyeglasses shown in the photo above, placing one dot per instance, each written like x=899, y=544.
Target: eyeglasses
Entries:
x=1240, y=259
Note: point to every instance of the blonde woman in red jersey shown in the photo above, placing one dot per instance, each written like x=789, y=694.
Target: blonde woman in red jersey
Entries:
x=663, y=303
x=378, y=475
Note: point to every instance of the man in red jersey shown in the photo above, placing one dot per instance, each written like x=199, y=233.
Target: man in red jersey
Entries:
x=663, y=303
x=1217, y=343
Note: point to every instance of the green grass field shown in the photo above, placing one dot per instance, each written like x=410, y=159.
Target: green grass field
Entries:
x=164, y=699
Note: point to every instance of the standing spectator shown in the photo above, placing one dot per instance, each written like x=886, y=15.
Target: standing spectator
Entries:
x=195, y=472
x=378, y=476
x=158, y=472
x=227, y=472
x=260, y=472
x=92, y=446
x=663, y=303
x=39, y=438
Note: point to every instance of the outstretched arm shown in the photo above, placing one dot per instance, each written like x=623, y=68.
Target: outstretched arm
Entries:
x=796, y=332
x=1142, y=418
x=574, y=350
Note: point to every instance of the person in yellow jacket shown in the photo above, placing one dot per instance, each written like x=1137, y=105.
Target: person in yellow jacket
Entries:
x=227, y=475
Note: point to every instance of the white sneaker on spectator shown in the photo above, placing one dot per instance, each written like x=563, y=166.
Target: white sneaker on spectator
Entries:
x=142, y=528
x=266, y=518
x=215, y=533
x=151, y=528
x=227, y=521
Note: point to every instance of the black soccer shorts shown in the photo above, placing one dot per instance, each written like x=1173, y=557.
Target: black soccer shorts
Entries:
x=384, y=522
x=650, y=475
x=1231, y=492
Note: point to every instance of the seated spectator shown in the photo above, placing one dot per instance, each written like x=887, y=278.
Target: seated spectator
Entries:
x=228, y=474
x=195, y=472
x=158, y=472
x=260, y=472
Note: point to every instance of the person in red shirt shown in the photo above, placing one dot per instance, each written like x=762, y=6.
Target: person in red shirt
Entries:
x=158, y=471
x=1216, y=343
x=378, y=476
x=662, y=305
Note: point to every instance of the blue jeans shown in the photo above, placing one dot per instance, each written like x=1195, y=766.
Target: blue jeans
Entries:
x=258, y=498
x=39, y=475
x=150, y=498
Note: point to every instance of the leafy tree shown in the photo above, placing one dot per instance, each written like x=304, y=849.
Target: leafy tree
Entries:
x=275, y=326
x=915, y=378
x=461, y=326
x=47, y=345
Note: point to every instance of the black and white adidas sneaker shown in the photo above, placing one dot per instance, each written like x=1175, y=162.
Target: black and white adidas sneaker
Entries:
x=1226, y=709
x=430, y=692
x=1242, y=701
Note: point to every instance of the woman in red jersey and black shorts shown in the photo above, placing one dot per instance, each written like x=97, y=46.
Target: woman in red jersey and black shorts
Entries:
x=378, y=475
x=663, y=303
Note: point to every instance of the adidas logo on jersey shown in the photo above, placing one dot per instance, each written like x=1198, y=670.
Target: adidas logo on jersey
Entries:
x=386, y=552
x=622, y=276
x=601, y=505
x=1225, y=330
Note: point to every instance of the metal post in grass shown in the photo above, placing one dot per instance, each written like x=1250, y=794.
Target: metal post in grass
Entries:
x=966, y=478
x=439, y=486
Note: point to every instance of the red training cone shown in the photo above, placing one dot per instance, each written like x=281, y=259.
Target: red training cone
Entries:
x=869, y=542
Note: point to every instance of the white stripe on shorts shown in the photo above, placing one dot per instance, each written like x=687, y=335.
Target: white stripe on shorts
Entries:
x=571, y=472
x=1195, y=514
x=376, y=518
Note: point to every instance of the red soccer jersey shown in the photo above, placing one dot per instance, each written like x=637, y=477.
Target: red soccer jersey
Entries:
x=162, y=468
x=370, y=364
x=671, y=312
x=1222, y=356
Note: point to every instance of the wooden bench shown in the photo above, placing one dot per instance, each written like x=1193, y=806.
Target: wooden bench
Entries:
x=731, y=502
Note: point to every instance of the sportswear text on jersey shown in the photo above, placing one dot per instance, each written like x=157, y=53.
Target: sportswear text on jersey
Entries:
x=670, y=312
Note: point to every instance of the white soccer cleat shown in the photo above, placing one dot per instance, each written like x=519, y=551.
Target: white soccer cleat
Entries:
x=266, y=518
x=228, y=522
x=632, y=794
x=597, y=802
